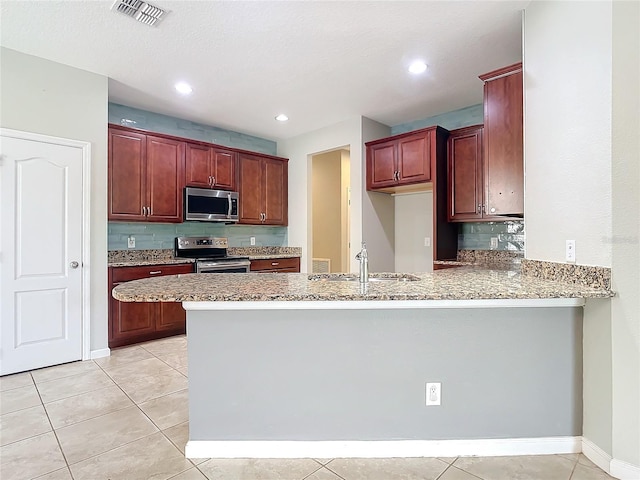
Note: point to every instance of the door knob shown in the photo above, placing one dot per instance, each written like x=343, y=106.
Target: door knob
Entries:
x=74, y=264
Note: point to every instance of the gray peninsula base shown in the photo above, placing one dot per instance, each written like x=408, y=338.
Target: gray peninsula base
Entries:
x=301, y=375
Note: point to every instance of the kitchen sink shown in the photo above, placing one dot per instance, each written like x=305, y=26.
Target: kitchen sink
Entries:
x=388, y=277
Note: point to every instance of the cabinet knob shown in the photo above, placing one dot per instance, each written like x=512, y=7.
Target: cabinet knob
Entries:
x=493, y=210
x=74, y=264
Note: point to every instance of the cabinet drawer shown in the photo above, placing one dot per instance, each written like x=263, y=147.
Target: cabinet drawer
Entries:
x=276, y=264
x=125, y=274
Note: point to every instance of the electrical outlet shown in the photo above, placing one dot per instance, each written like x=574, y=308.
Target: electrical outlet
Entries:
x=131, y=242
x=571, y=251
x=427, y=241
x=253, y=240
x=494, y=243
x=433, y=394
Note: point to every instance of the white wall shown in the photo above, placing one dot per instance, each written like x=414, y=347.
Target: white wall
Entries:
x=368, y=219
x=45, y=97
x=567, y=57
x=378, y=222
x=582, y=154
x=414, y=222
x=625, y=307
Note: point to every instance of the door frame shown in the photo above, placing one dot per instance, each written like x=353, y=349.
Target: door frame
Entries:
x=86, y=221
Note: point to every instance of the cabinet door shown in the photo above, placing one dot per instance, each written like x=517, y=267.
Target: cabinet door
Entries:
x=503, y=151
x=275, y=188
x=464, y=172
x=127, y=175
x=198, y=166
x=165, y=179
x=381, y=165
x=224, y=169
x=129, y=320
x=251, y=189
x=171, y=317
x=414, y=159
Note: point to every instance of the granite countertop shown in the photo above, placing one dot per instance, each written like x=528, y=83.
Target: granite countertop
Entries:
x=463, y=283
x=137, y=258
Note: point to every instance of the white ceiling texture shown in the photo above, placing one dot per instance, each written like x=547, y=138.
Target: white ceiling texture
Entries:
x=320, y=62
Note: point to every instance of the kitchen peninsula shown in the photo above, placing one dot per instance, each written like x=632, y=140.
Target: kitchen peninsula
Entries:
x=297, y=365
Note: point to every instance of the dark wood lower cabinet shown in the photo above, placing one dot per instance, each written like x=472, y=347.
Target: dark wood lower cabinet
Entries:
x=133, y=322
x=283, y=265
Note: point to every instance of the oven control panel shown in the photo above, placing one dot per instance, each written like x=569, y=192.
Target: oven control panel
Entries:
x=185, y=243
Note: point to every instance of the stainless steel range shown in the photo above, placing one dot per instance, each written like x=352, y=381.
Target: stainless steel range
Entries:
x=210, y=254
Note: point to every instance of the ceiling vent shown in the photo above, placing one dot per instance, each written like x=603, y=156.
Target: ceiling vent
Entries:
x=141, y=11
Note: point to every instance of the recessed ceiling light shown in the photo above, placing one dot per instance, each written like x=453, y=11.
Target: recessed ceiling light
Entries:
x=282, y=118
x=184, y=88
x=418, y=67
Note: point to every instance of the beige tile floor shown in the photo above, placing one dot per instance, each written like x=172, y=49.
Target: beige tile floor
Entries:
x=125, y=417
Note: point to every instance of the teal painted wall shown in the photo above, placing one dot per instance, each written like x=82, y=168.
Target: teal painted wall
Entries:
x=155, y=122
x=162, y=235
x=465, y=117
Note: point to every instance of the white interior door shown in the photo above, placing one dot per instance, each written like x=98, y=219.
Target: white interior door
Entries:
x=41, y=251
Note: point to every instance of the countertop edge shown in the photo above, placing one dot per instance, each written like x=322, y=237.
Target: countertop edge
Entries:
x=384, y=304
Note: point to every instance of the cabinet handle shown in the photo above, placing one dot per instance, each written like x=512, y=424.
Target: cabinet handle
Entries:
x=143, y=214
x=209, y=179
x=275, y=264
x=155, y=272
x=213, y=180
x=479, y=208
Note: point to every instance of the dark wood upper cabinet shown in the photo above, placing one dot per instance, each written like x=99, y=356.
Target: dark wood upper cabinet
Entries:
x=148, y=173
x=127, y=165
x=146, y=177
x=503, y=143
x=165, y=179
x=210, y=167
x=411, y=162
x=400, y=160
x=263, y=183
x=465, y=174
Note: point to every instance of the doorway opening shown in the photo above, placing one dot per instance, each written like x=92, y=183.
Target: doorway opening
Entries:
x=330, y=211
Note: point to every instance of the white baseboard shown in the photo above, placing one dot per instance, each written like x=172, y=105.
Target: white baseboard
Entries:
x=614, y=467
x=624, y=470
x=382, y=449
x=594, y=453
x=103, y=352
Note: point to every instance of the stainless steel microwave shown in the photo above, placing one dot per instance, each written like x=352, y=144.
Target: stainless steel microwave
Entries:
x=205, y=205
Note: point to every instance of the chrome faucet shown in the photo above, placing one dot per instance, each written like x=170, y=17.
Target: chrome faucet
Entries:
x=364, y=263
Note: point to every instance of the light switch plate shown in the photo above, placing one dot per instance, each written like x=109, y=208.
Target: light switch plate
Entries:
x=131, y=242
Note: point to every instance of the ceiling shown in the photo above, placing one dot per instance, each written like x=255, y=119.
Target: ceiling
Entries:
x=319, y=62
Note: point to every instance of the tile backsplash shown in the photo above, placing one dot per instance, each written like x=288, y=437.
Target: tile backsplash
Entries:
x=477, y=236
x=152, y=236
